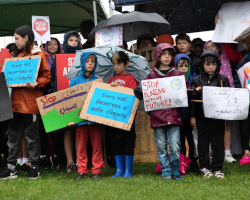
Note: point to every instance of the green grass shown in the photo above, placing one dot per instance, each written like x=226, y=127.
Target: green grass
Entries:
x=145, y=184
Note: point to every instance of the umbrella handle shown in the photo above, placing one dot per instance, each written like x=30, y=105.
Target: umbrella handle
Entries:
x=132, y=36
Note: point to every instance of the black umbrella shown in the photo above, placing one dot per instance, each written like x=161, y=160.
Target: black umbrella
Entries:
x=135, y=24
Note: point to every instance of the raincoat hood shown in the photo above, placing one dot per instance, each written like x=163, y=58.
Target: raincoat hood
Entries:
x=66, y=47
x=83, y=60
x=160, y=48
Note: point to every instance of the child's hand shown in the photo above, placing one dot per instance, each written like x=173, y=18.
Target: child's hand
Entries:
x=198, y=88
x=1, y=65
x=71, y=124
x=193, y=121
x=216, y=19
x=31, y=85
x=114, y=84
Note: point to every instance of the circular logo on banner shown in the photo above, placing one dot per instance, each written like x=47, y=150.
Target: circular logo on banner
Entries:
x=176, y=84
x=41, y=26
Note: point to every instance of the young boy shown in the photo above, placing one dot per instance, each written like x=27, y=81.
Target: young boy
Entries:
x=183, y=44
x=123, y=142
x=87, y=129
x=209, y=130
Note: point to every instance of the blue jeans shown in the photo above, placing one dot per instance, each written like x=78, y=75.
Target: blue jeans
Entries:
x=174, y=142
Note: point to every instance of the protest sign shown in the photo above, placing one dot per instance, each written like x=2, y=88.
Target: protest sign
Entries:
x=5, y=103
x=225, y=103
x=149, y=54
x=244, y=76
x=109, y=36
x=112, y=106
x=4, y=54
x=60, y=108
x=63, y=64
x=234, y=19
x=41, y=28
x=163, y=93
x=20, y=70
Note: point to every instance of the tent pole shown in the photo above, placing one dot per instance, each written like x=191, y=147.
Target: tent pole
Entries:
x=94, y=11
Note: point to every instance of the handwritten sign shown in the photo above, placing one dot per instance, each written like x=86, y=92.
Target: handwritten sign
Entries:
x=234, y=19
x=41, y=28
x=60, y=108
x=163, y=93
x=149, y=54
x=109, y=36
x=5, y=103
x=112, y=106
x=4, y=54
x=63, y=64
x=244, y=76
x=19, y=71
x=225, y=103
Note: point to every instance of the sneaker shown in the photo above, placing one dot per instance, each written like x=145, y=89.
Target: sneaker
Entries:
x=167, y=175
x=8, y=173
x=229, y=158
x=18, y=167
x=80, y=176
x=219, y=174
x=176, y=175
x=33, y=173
x=44, y=163
x=206, y=173
x=24, y=167
x=71, y=167
x=54, y=162
x=96, y=176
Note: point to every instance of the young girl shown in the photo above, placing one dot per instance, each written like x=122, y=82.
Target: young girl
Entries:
x=25, y=108
x=166, y=123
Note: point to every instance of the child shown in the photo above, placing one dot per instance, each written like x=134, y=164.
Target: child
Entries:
x=123, y=142
x=25, y=109
x=166, y=123
x=183, y=44
x=184, y=64
x=87, y=129
x=209, y=130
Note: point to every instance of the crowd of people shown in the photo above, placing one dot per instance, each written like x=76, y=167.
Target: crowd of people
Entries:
x=202, y=64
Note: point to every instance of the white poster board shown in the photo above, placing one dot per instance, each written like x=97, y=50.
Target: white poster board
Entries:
x=244, y=76
x=225, y=103
x=41, y=28
x=163, y=93
x=109, y=36
x=234, y=19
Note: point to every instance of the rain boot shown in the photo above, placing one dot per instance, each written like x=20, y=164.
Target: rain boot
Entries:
x=128, y=167
x=119, y=161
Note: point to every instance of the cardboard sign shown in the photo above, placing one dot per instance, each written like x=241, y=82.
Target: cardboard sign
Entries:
x=41, y=28
x=225, y=103
x=109, y=36
x=19, y=71
x=244, y=76
x=5, y=103
x=234, y=19
x=60, y=108
x=149, y=54
x=163, y=93
x=63, y=64
x=112, y=106
x=4, y=54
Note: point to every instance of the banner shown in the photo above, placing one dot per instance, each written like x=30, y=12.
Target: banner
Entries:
x=234, y=19
x=225, y=103
x=244, y=76
x=5, y=103
x=63, y=64
x=112, y=106
x=20, y=70
x=149, y=54
x=109, y=36
x=41, y=28
x=4, y=54
x=60, y=108
x=163, y=93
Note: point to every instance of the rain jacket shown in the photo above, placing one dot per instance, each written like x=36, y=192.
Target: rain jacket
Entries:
x=66, y=49
x=168, y=116
x=196, y=108
x=83, y=79
x=23, y=99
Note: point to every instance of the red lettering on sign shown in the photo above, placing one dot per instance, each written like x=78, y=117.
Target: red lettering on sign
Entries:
x=47, y=100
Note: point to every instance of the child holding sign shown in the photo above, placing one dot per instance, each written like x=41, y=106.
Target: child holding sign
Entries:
x=87, y=129
x=166, y=122
x=123, y=142
x=25, y=108
x=209, y=130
